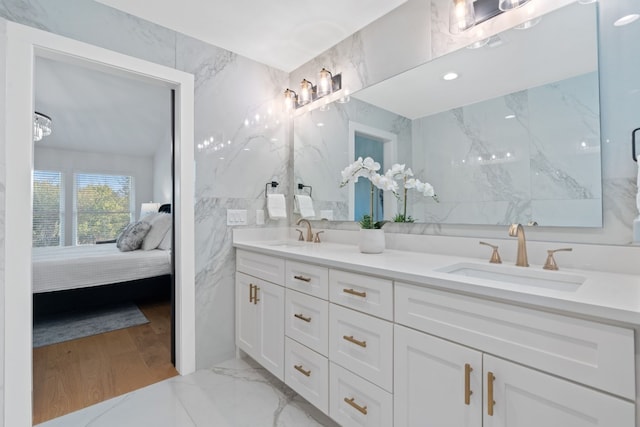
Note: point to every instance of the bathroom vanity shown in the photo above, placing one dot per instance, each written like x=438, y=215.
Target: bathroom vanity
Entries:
x=413, y=339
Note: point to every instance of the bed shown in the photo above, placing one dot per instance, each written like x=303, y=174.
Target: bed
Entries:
x=74, y=267
x=65, y=278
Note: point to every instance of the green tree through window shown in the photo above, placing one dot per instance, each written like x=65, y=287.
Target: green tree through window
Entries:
x=103, y=206
x=48, y=212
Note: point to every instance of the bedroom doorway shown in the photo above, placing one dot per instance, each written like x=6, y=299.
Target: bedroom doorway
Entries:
x=23, y=46
x=102, y=317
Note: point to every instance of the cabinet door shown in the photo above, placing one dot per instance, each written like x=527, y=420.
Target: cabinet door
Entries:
x=246, y=315
x=271, y=327
x=527, y=398
x=437, y=383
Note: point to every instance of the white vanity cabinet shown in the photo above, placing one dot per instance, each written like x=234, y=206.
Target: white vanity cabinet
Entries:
x=259, y=309
x=466, y=384
x=374, y=351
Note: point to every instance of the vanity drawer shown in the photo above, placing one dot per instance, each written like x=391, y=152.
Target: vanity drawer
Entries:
x=307, y=320
x=591, y=353
x=307, y=278
x=307, y=373
x=262, y=266
x=368, y=294
x=356, y=402
x=362, y=344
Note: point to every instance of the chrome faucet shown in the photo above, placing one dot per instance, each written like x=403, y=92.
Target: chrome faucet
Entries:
x=516, y=230
x=309, y=231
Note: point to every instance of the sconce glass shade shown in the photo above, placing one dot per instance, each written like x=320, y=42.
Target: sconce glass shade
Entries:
x=325, y=83
x=306, y=92
x=41, y=126
x=505, y=5
x=290, y=100
x=461, y=16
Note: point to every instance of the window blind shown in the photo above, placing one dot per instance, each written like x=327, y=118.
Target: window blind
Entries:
x=48, y=209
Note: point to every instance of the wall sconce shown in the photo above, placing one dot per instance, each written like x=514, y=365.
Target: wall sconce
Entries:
x=461, y=16
x=327, y=83
x=506, y=5
x=464, y=14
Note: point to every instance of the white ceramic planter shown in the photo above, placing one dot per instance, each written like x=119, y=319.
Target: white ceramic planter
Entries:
x=371, y=241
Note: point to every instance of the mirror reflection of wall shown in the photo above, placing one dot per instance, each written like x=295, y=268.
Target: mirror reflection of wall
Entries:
x=550, y=176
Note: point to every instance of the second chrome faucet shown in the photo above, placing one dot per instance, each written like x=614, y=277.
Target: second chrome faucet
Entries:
x=516, y=230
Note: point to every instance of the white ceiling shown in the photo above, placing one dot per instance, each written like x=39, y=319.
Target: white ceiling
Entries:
x=562, y=45
x=99, y=112
x=284, y=34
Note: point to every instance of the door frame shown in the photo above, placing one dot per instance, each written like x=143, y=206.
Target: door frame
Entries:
x=390, y=150
x=23, y=44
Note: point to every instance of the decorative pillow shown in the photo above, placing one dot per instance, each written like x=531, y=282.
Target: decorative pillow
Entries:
x=160, y=223
x=165, y=245
x=132, y=236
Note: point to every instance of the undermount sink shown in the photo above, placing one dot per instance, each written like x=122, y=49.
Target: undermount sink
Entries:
x=517, y=275
x=287, y=244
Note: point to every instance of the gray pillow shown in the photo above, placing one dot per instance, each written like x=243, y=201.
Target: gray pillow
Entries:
x=159, y=226
x=165, y=245
x=132, y=236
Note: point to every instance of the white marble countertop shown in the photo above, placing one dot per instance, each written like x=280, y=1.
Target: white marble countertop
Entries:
x=603, y=295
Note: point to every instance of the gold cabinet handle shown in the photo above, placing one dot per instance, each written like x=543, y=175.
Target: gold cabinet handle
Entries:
x=354, y=292
x=361, y=409
x=490, y=402
x=251, y=285
x=304, y=279
x=467, y=384
x=302, y=317
x=351, y=339
x=255, y=294
x=300, y=369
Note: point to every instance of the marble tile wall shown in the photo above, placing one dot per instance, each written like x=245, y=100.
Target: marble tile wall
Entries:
x=229, y=90
x=372, y=55
x=2, y=209
x=322, y=153
x=542, y=164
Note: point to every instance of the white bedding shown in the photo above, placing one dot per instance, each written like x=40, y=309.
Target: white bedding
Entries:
x=71, y=267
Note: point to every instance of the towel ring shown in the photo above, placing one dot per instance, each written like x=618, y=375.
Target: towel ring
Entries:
x=302, y=186
x=273, y=184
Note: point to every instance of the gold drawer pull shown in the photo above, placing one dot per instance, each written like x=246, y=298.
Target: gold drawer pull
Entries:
x=301, y=317
x=351, y=339
x=354, y=292
x=251, y=286
x=302, y=371
x=490, y=402
x=467, y=384
x=256, y=288
x=361, y=409
x=304, y=279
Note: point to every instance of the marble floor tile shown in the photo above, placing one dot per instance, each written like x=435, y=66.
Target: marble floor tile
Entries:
x=236, y=393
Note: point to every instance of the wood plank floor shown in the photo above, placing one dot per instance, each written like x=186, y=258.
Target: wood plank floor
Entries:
x=75, y=374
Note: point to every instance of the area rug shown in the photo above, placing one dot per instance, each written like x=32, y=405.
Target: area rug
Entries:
x=52, y=329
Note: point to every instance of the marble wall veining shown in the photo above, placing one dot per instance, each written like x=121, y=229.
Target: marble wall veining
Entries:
x=229, y=90
x=231, y=172
x=619, y=100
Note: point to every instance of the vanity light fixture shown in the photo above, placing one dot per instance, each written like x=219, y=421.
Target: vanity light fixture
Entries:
x=626, y=20
x=506, y=5
x=41, y=126
x=461, y=16
x=327, y=84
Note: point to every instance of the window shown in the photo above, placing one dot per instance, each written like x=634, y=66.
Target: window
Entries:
x=102, y=206
x=48, y=209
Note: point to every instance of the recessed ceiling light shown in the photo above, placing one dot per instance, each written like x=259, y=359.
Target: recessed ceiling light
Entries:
x=627, y=19
x=319, y=124
x=246, y=149
x=450, y=76
x=510, y=116
x=586, y=1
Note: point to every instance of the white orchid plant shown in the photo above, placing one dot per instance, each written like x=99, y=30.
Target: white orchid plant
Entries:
x=398, y=172
x=368, y=168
